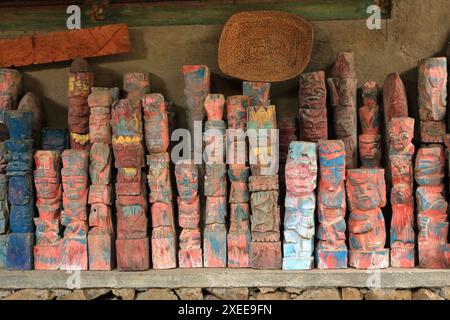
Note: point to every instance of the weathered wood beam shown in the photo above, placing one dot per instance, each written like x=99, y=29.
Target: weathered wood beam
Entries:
x=64, y=45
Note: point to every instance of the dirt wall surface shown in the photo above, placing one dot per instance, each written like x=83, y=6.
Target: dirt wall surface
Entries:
x=417, y=29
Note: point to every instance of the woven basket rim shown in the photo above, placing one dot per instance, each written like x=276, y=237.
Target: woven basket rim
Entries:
x=230, y=47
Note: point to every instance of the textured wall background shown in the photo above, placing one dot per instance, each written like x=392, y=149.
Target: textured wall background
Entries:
x=417, y=29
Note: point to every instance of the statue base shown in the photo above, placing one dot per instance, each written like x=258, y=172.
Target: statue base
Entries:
x=434, y=256
x=305, y=263
x=47, y=257
x=132, y=254
x=265, y=255
x=369, y=259
x=215, y=246
x=190, y=258
x=164, y=253
x=19, y=251
x=74, y=254
x=238, y=250
x=101, y=252
x=331, y=259
x=403, y=257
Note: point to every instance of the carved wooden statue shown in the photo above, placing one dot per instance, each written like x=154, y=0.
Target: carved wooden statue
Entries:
x=239, y=236
x=401, y=152
x=432, y=220
x=74, y=248
x=101, y=233
x=265, y=250
x=370, y=138
x=47, y=179
x=190, y=253
x=366, y=192
x=10, y=91
x=433, y=99
x=19, y=250
x=215, y=188
x=300, y=203
x=164, y=237
x=79, y=88
x=30, y=102
x=342, y=87
x=132, y=243
x=331, y=250
x=313, y=107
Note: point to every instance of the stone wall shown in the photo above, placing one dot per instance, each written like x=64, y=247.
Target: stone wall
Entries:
x=229, y=294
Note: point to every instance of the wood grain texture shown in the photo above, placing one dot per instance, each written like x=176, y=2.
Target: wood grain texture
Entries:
x=184, y=13
x=64, y=45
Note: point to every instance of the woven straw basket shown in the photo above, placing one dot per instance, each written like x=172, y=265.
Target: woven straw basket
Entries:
x=267, y=46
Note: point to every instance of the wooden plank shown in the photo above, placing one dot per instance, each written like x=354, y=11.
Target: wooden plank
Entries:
x=220, y=278
x=183, y=13
x=65, y=45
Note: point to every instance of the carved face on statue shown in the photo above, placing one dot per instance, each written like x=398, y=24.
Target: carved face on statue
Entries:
x=74, y=183
x=332, y=164
x=128, y=152
x=370, y=149
x=214, y=106
x=99, y=126
x=47, y=187
x=366, y=189
x=301, y=168
x=312, y=92
x=401, y=133
x=369, y=119
x=100, y=163
x=429, y=168
x=432, y=89
x=313, y=124
x=345, y=121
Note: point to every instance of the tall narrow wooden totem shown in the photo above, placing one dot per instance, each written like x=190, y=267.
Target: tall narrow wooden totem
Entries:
x=313, y=107
x=401, y=152
x=19, y=250
x=366, y=192
x=4, y=208
x=132, y=244
x=331, y=250
x=300, y=203
x=265, y=251
x=79, y=88
x=342, y=86
x=370, y=138
x=101, y=233
x=432, y=220
x=47, y=179
x=215, y=188
x=190, y=252
x=164, y=236
x=432, y=99
x=239, y=236
x=74, y=248
x=196, y=87
x=10, y=92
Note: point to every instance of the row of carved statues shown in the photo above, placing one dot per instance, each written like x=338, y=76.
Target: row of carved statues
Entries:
x=282, y=199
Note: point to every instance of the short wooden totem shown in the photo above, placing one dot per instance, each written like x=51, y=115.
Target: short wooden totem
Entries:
x=370, y=138
x=132, y=243
x=215, y=187
x=19, y=249
x=432, y=220
x=313, y=107
x=265, y=251
x=366, y=192
x=10, y=92
x=164, y=237
x=101, y=233
x=74, y=248
x=300, y=203
x=239, y=236
x=80, y=81
x=342, y=87
x=331, y=250
x=47, y=179
x=190, y=253
x=432, y=99
x=401, y=152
